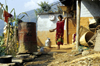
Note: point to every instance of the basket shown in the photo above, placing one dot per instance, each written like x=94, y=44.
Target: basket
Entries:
x=85, y=38
x=83, y=30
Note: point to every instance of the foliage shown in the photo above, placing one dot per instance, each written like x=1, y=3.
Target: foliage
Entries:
x=45, y=6
x=2, y=47
x=16, y=18
x=11, y=38
x=59, y=9
x=38, y=11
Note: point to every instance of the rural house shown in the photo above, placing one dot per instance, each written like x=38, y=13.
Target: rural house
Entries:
x=89, y=9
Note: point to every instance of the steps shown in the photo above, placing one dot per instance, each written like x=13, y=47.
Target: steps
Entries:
x=16, y=61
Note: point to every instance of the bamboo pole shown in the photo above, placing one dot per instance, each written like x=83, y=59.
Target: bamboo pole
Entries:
x=67, y=27
x=78, y=24
x=15, y=34
x=8, y=32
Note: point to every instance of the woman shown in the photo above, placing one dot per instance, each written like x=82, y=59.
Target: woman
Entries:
x=59, y=30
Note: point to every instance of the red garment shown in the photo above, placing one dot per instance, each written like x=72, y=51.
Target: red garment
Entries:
x=59, y=32
x=6, y=15
x=74, y=39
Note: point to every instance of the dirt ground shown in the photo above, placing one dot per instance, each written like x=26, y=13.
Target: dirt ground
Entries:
x=64, y=57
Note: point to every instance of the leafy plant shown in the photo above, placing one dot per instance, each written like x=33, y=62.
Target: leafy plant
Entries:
x=45, y=6
x=2, y=47
x=38, y=11
x=16, y=18
x=14, y=39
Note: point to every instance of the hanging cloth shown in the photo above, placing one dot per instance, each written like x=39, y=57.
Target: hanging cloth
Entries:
x=6, y=16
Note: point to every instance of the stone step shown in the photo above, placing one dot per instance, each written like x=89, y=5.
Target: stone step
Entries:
x=7, y=64
x=23, y=56
x=21, y=60
x=17, y=60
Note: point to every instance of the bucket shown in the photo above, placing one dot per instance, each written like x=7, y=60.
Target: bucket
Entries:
x=83, y=30
x=27, y=37
x=85, y=38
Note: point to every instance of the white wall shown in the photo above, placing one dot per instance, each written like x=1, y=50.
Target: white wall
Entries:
x=90, y=8
x=44, y=24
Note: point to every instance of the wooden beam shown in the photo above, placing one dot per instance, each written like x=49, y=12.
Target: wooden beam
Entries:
x=78, y=23
x=67, y=27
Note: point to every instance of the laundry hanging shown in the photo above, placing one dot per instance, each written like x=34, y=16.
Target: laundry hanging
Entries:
x=6, y=16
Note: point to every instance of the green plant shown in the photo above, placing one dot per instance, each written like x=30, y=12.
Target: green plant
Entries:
x=2, y=47
x=16, y=18
x=38, y=11
x=45, y=6
x=14, y=39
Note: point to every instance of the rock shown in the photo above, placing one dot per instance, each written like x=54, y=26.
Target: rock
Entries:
x=17, y=60
x=37, y=53
x=44, y=50
x=23, y=56
x=51, y=53
x=85, y=53
x=7, y=64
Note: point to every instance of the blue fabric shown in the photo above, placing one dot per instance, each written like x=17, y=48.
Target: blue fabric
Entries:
x=11, y=24
x=14, y=24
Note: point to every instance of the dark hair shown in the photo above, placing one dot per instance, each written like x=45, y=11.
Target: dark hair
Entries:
x=60, y=16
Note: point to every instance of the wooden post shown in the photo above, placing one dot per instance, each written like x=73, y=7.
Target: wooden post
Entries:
x=78, y=23
x=67, y=27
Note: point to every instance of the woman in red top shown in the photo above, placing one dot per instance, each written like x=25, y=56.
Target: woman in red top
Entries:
x=59, y=30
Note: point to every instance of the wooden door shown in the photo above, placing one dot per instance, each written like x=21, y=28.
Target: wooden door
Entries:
x=71, y=29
